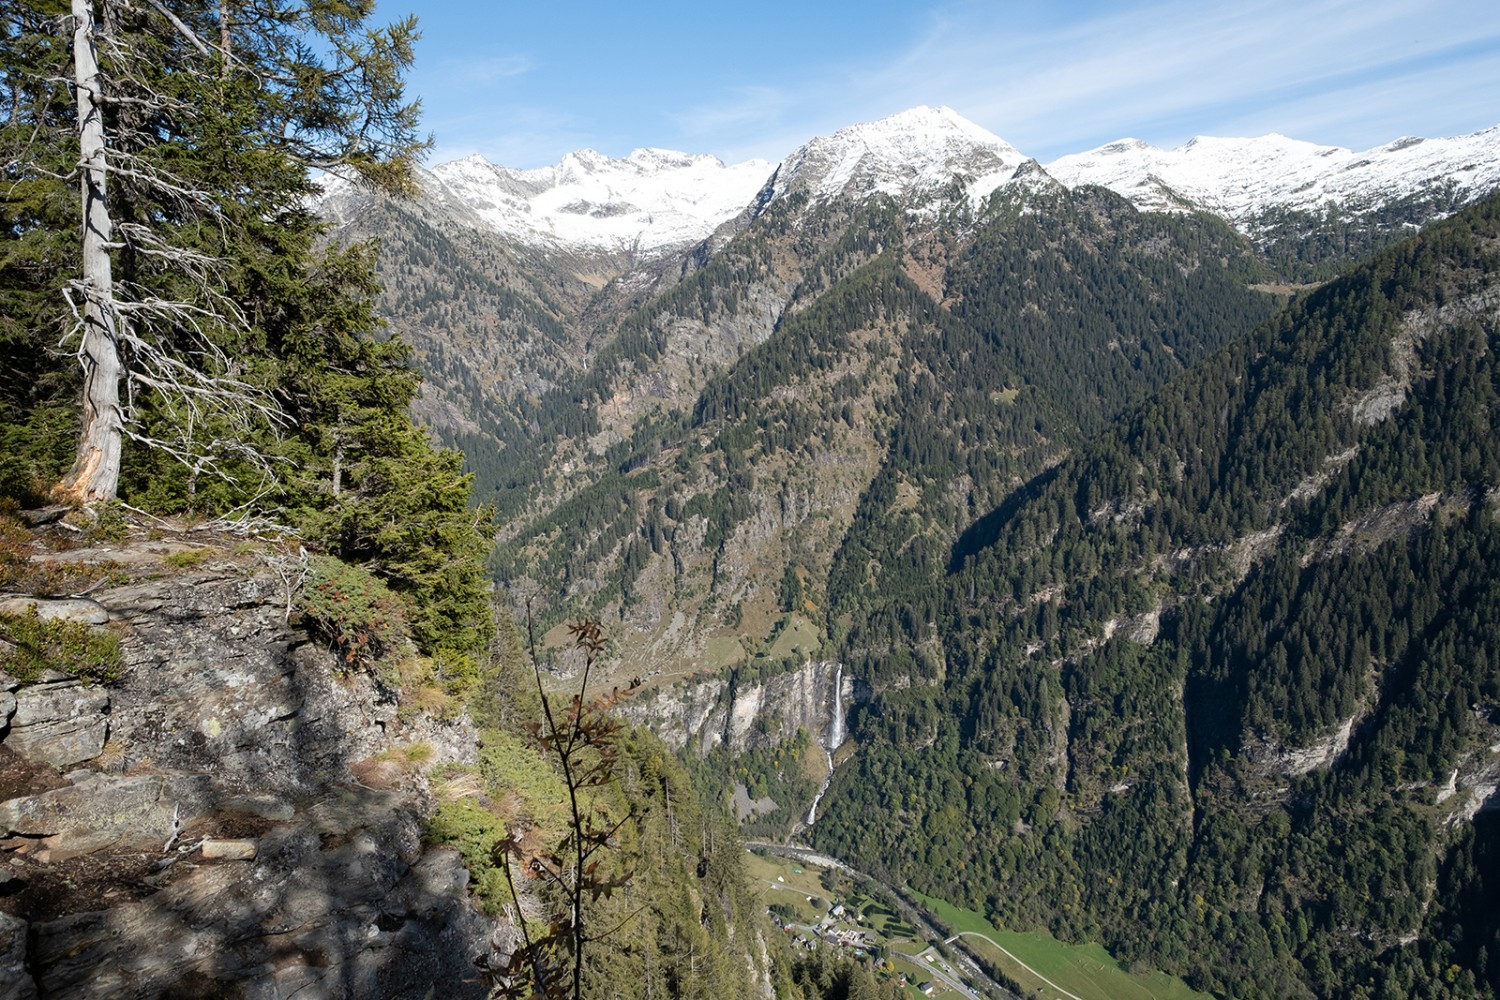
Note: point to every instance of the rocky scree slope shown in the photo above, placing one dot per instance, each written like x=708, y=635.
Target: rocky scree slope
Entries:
x=231, y=816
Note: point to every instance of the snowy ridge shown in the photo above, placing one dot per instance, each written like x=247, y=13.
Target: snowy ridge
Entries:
x=657, y=201
x=649, y=202
x=914, y=152
x=1239, y=178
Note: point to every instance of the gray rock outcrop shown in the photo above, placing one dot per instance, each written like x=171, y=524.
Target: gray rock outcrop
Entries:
x=77, y=609
x=15, y=984
x=707, y=713
x=58, y=720
x=8, y=686
x=346, y=905
x=227, y=729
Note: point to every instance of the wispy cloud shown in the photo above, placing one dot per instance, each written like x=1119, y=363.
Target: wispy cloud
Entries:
x=484, y=72
x=1166, y=70
x=1151, y=66
x=756, y=108
x=1368, y=113
x=509, y=135
x=1052, y=78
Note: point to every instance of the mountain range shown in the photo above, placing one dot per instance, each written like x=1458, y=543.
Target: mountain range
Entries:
x=561, y=313
x=1142, y=503
x=655, y=201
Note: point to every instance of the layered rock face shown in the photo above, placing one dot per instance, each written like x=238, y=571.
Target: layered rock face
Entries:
x=714, y=711
x=222, y=821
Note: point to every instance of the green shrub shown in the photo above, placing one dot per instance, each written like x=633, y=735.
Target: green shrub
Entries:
x=357, y=614
x=474, y=830
x=187, y=558
x=33, y=645
x=511, y=765
x=110, y=523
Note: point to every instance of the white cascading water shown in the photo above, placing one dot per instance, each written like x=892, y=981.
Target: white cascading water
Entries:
x=832, y=740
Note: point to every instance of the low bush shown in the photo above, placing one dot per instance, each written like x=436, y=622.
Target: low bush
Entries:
x=30, y=644
x=466, y=824
x=353, y=611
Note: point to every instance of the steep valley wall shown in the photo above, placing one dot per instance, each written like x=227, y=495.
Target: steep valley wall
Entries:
x=720, y=710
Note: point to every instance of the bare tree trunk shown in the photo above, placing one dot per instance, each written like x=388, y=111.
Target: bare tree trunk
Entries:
x=225, y=38
x=95, y=475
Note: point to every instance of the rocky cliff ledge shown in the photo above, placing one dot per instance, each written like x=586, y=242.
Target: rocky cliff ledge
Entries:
x=705, y=712
x=234, y=817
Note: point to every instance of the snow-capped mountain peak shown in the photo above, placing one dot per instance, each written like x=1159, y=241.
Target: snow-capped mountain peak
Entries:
x=649, y=202
x=655, y=201
x=915, y=151
x=1240, y=178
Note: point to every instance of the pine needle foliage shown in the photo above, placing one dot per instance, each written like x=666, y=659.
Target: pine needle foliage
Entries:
x=256, y=380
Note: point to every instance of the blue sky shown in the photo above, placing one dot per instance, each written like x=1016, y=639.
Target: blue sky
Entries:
x=525, y=83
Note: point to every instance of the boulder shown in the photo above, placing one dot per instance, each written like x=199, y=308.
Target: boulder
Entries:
x=59, y=721
x=77, y=609
x=102, y=810
x=58, y=699
x=15, y=981
x=228, y=850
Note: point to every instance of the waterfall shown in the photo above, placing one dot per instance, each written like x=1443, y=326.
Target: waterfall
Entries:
x=832, y=740
x=836, y=727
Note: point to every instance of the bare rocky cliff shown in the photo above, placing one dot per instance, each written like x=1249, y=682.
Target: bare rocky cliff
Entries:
x=705, y=713
x=235, y=817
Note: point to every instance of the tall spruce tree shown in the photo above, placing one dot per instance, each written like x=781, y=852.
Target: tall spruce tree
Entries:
x=158, y=159
x=188, y=125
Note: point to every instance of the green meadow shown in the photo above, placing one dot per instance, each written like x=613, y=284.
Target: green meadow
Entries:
x=1047, y=967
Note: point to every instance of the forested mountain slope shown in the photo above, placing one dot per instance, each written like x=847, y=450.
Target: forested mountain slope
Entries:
x=576, y=380
x=1168, y=612
x=914, y=374
x=1222, y=689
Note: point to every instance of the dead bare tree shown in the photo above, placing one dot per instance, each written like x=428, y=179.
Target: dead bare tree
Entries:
x=97, y=467
x=165, y=338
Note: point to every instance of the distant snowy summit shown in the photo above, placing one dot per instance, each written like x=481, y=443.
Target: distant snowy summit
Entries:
x=1239, y=179
x=649, y=201
x=919, y=151
x=657, y=201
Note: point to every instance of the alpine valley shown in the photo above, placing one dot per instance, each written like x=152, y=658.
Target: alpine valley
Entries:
x=1136, y=511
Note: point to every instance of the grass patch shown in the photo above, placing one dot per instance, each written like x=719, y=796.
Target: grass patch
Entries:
x=187, y=558
x=799, y=637
x=409, y=756
x=775, y=881
x=1085, y=970
x=887, y=923
x=721, y=652
x=33, y=645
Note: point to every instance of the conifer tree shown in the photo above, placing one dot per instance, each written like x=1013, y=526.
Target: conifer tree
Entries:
x=191, y=127
x=249, y=369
